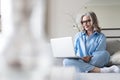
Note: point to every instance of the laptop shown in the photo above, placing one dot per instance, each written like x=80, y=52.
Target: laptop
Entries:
x=63, y=47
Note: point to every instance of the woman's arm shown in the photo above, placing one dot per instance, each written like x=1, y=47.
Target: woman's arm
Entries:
x=101, y=43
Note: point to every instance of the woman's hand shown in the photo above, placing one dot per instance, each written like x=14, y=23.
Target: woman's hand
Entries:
x=87, y=58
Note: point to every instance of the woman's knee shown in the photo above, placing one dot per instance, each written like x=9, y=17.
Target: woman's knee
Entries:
x=101, y=55
x=100, y=59
x=69, y=62
x=65, y=61
x=104, y=56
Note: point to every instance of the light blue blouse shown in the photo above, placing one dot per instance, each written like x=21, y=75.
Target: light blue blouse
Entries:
x=86, y=45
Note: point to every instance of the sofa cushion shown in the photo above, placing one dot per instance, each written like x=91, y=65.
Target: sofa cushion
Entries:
x=113, y=46
x=115, y=58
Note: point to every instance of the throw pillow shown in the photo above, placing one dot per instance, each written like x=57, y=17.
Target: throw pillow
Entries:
x=113, y=46
x=115, y=58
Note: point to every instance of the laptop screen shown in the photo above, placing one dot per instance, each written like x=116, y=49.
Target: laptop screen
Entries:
x=62, y=47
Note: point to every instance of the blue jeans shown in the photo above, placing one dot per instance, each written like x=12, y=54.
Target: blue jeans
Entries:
x=99, y=59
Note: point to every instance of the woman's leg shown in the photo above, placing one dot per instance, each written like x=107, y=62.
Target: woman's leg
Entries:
x=79, y=65
x=100, y=58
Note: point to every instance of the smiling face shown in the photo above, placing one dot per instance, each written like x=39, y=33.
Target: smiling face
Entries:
x=87, y=23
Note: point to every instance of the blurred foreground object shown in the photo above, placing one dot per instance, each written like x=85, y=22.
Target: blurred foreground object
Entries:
x=27, y=54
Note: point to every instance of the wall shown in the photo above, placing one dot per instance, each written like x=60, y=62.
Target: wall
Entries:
x=60, y=13
x=108, y=16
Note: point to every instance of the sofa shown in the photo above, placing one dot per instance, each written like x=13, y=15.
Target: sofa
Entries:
x=113, y=47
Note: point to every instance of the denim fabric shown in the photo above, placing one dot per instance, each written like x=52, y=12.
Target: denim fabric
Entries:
x=99, y=59
x=85, y=45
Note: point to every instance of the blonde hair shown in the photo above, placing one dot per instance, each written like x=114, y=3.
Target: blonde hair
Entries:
x=94, y=20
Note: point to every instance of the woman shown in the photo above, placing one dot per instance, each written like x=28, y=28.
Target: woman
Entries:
x=90, y=45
